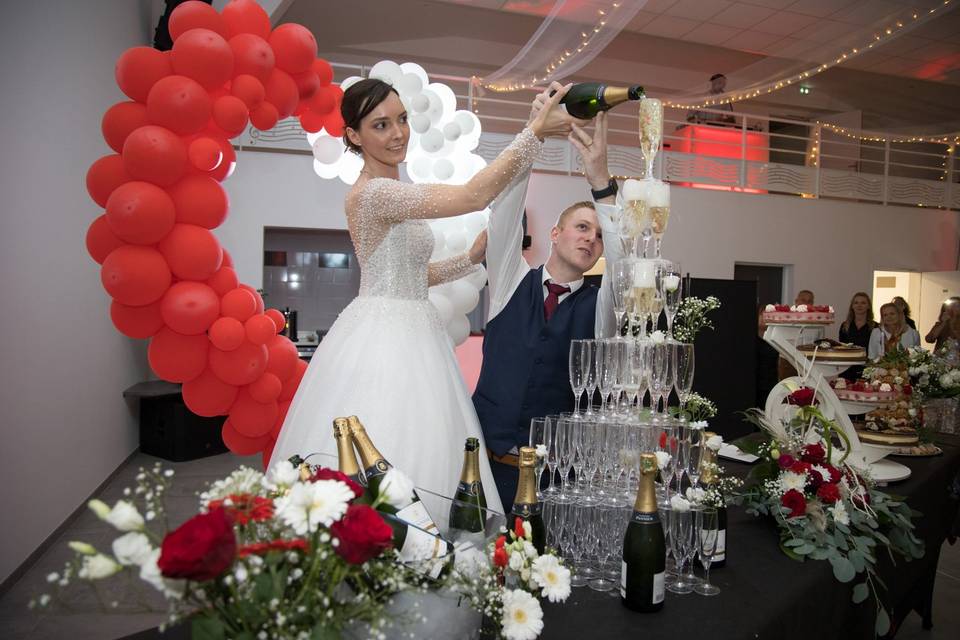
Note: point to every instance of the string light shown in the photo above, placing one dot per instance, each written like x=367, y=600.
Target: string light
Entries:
x=776, y=85
x=942, y=138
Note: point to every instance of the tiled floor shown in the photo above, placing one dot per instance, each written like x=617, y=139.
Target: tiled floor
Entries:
x=85, y=622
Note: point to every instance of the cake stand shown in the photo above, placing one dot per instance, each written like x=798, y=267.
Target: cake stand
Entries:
x=815, y=374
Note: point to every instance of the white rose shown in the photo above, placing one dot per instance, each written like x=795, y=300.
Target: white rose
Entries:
x=516, y=561
x=658, y=337
x=541, y=450
x=529, y=550
x=397, y=488
x=97, y=567
x=125, y=517
x=885, y=387
x=770, y=308
x=663, y=459
x=132, y=548
x=679, y=503
x=715, y=442
x=794, y=308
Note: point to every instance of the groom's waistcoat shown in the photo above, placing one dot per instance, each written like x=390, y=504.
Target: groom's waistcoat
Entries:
x=525, y=361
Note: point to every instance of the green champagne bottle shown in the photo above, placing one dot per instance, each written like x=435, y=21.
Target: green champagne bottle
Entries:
x=346, y=457
x=468, y=511
x=644, y=553
x=526, y=507
x=420, y=545
x=585, y=100
x=708, y=477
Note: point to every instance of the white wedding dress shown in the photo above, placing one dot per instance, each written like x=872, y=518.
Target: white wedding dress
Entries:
x=388, y=359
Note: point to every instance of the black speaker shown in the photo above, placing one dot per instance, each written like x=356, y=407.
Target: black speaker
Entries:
x=168, y=429
x=161, y=36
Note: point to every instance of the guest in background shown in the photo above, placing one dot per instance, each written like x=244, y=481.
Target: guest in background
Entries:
x=784, y=368
x=718, y=86
x=804, y=296
x=856, y=329
x=947, y=325
x=892, y=334
x=905, y=308
x=766, y=357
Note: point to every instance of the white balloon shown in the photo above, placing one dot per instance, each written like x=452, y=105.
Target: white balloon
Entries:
x=443, y=305
x=448, y=99
x=327, y=149
x=417, y=70
x=463, y=295
x=456, y=240
x=474, y=223
x=421, y=169
x=349, y=82
x=439, y=239
x=326, y=171
x=432, y=141
x=478, y=278
x=451, y=131
x=459, y=329
x=435, y=109
x=388, y=71
x=410, y=83
x=350, y=167
x=419, y=122
x=420, y=103
x=467, y=121
x=443, y=169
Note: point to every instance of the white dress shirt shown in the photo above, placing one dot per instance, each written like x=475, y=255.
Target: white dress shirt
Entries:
x=879, y=337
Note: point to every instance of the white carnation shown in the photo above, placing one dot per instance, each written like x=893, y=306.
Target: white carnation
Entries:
x=658, y=337
x=790, y=480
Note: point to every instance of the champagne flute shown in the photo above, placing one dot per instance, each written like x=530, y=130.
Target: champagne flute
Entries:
x=681, y=530
x=578, y=351
x=658, y=203
x=644, y=290
x=671, y=294
x=538, y=439
x=708, y=526
x=550, y=439
x=589, y=372
x=635, y=217
x=684, y=372
x=606, y=521
x=622, y=275
x=671, y=372
x=695, y=458
x=566, y=450
x=651, y=131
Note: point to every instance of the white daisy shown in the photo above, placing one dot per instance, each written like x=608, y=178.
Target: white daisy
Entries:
x=839, y=512
x=309, y=504
x=522, y=616
x=552, y=576
x=281, y=476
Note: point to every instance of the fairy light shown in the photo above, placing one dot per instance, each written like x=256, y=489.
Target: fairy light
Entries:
x=942, y=138
x=777, y=85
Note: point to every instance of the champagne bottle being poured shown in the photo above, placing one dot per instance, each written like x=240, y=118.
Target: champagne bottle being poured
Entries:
x=585, y=100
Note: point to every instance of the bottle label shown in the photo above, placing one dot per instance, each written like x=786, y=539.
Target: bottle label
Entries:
x=469, y=488
x=646, y=518
x=527, y=510
x=378, y=468
x=721, y=553
x=658, y=587
x=419, y=546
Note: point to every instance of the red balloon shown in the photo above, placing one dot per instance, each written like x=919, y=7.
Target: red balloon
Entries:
x=282, y=92
x=203, y=55
x=195, y=15
x=284, y=408
x=180, y=104
x=246, y=16
x=177, y=358
x=323, y=101
x=252, y=56
x=199, y=200
x=227, y=259
x=231, y=114
x=307, y=83
x=135, y=275
x=140, y=212
x=223, y=281
x=256, y=296
x=259, y=329
x=208, y=396
x=192, y=252
x=266, y=388
x=227, y=333
x=120, y=120
x=155, y=154
x=279, y=321
x=136, y=322
x=294, y=46
x=105, y=175
x=291, y=384
x=240, y=366
x=239, y=304
x=267, y=453
x=101, y=239
x=229, y=162
x=249, y=89
x=251, y=418
x=283, y=357
x=138, y=69
x=323, y=70
x=311, y=121
x=242, y=445
x=264, y=117
x=190, y=307
x=334, y=124
x=205, y=154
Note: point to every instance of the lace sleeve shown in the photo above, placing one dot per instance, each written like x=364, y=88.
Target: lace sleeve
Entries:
x=393, y=201
x=449, y=269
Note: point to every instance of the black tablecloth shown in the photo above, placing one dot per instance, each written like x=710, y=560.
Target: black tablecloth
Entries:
x=765, y=594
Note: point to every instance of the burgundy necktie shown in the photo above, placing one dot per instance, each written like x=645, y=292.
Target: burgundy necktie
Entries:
x=553, y=298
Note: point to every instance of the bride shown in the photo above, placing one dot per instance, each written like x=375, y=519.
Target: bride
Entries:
x=387, y=359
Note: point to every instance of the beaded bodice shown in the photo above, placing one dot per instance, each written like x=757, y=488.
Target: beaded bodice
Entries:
x=397, y=267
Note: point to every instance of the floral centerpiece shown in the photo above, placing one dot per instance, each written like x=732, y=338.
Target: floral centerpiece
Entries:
x=692, y=317
x=825, y=508
x=935, y=375
x=297, y=553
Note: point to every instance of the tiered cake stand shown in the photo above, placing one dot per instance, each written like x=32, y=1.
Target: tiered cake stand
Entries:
x=815, y=374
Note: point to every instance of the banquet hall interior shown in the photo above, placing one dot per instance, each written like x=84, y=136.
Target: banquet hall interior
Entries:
x=808, y=145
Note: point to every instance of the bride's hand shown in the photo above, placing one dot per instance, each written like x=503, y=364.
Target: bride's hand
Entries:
x=548, y=118
x=479, y=249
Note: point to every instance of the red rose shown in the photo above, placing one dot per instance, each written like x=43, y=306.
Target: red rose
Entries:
x=244, y=507
x=802, y=397
x=324, y=473
x=794, y=501
x=813, y=453
x=518, y=528
x=500, y=557
x=786, y=461
x=200, y=549
x=835, y=474
x=261, y=548
x=800, y=467
x=362, y=534
x=829, y=493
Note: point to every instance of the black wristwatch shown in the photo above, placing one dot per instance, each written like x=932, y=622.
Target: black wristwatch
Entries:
x=609, y=190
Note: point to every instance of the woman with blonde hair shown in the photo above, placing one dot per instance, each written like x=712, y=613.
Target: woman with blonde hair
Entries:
x=858, y=326
x=892, y=334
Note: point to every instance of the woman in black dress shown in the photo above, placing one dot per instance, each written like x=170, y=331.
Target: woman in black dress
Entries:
x=856, y=329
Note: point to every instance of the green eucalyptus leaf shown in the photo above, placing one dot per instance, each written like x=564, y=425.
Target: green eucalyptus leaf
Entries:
x=883, y=622
x=206, y=628
x=860, y=592
x=843, y=569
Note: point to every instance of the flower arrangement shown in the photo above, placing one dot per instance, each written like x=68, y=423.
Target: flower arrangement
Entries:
x=825, y=508
x=506, y=582
x=698, y=408
x=936, y=375
x=692, y=317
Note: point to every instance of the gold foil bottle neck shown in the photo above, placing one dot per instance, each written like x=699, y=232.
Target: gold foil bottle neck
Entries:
x=471, y=462
x=527, y=483
x=528, y=457
x=346, y=458
x=647, y=493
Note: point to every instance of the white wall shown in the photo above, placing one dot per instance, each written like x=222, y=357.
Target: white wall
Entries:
x=65, y=425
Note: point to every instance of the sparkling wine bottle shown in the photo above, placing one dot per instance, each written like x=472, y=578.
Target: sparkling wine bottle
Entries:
x=346, y=457
x=644, y=553
x=469, y=507
x=526, y=507
x=585, y=100
x=421, y=544
x=709, y=479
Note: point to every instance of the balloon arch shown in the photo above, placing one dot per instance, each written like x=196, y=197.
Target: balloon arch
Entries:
x=168, y=276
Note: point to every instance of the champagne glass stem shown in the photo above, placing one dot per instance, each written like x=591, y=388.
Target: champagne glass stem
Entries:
x=658, y=241
x=576, y=402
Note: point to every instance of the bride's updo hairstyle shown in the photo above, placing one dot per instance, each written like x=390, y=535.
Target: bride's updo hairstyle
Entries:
x=358, y=101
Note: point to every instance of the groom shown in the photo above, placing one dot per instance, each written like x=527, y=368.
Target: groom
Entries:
x=535, y=312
